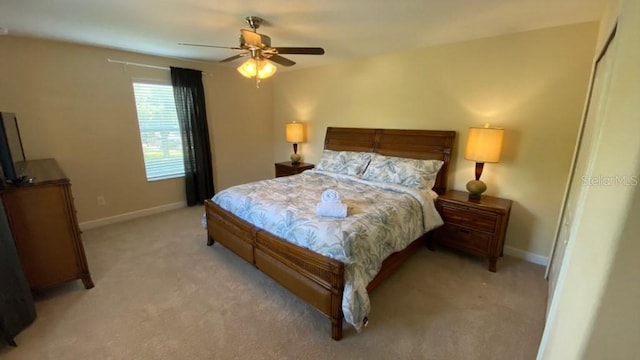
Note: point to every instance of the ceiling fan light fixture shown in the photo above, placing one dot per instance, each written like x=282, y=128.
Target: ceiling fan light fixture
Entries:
x=266, y=69
x=262, y=56
x=248, y=68
x=261, y=69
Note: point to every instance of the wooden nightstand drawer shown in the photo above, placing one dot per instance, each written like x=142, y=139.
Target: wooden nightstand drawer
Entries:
x=285, y=172
x=288, y=168
x=469, y=218
x=466, y=239
x=474, y=226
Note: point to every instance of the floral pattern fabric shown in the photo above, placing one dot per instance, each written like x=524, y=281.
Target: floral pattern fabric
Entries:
x=344, y=162
x=412, y=173
x=382, y=219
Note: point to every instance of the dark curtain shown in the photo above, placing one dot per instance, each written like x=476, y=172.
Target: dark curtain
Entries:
x=192, y=116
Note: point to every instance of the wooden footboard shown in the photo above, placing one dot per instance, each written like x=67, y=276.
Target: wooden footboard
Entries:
x=316, y=279
x=232, y=232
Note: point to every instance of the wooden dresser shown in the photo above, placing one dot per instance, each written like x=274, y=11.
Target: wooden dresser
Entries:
x=288, y=168
x=45, y=228
x=474, y=226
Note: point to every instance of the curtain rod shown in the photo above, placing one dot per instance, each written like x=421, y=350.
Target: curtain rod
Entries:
x=147, y=65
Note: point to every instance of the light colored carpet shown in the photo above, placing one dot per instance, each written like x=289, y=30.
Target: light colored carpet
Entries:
x=161, y=293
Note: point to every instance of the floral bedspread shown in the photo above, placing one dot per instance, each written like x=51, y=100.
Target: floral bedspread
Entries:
x=382, y=219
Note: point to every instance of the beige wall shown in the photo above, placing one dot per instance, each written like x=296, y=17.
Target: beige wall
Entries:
x=74, y=106
x=594, y=313
x=532, y=83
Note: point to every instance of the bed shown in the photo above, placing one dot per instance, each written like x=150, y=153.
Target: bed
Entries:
x=317, y=279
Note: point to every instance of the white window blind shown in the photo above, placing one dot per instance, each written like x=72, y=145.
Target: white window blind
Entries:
x=159, y=130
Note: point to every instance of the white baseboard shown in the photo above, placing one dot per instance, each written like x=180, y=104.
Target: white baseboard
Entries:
x=511, y=251
x=130, y=216
x=528, y=256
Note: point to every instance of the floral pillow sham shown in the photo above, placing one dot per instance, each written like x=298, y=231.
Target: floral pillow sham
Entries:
x=344, y=162
x=413, y=173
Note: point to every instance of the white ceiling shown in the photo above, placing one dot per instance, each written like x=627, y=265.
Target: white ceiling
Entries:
x=344, y=28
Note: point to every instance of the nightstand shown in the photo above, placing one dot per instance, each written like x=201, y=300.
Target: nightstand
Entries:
x=474, y=226
x=288, y=168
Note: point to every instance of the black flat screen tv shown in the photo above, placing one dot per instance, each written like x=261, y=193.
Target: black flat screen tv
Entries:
x=11, y=151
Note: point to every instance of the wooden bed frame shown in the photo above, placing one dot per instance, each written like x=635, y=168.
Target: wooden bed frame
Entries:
x=314, y=278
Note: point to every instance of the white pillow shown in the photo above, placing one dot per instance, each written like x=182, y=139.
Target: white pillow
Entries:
x=412, y=173
x=344, y=162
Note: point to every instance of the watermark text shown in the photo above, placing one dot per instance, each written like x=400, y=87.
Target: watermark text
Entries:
x=622, y=180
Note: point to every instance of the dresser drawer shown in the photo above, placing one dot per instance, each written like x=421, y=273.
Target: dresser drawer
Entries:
x=465, y=239
x=468, y=217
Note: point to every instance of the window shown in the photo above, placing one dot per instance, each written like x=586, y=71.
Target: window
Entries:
x=159, y=130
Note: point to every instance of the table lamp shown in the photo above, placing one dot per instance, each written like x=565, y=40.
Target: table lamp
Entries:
x=483, y=146
x=295, y=135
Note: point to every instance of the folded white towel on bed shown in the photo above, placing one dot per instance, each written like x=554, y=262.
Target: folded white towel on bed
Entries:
x=330, y=196
x=330, y=205
x=331, y=209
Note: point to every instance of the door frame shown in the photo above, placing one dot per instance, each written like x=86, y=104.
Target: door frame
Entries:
x=578, y=145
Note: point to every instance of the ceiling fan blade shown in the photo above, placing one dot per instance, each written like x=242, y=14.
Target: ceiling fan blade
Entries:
x=212, y=46
x=233, y=57
x=300, y=50
x=281, y=60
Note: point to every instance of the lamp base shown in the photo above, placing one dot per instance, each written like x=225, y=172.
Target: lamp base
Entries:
x=295, y=158
x=476, y=188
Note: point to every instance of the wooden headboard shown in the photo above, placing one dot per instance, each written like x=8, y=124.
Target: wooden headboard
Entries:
x=415, y=144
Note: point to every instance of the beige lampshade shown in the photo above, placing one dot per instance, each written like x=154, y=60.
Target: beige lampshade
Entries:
x=259, y=68
x=484, y=145
x=295, y=132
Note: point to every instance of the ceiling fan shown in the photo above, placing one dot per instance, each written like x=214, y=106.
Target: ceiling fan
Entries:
x=258, y=48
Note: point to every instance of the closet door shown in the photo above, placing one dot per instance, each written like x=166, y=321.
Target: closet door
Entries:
x=582, y=175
